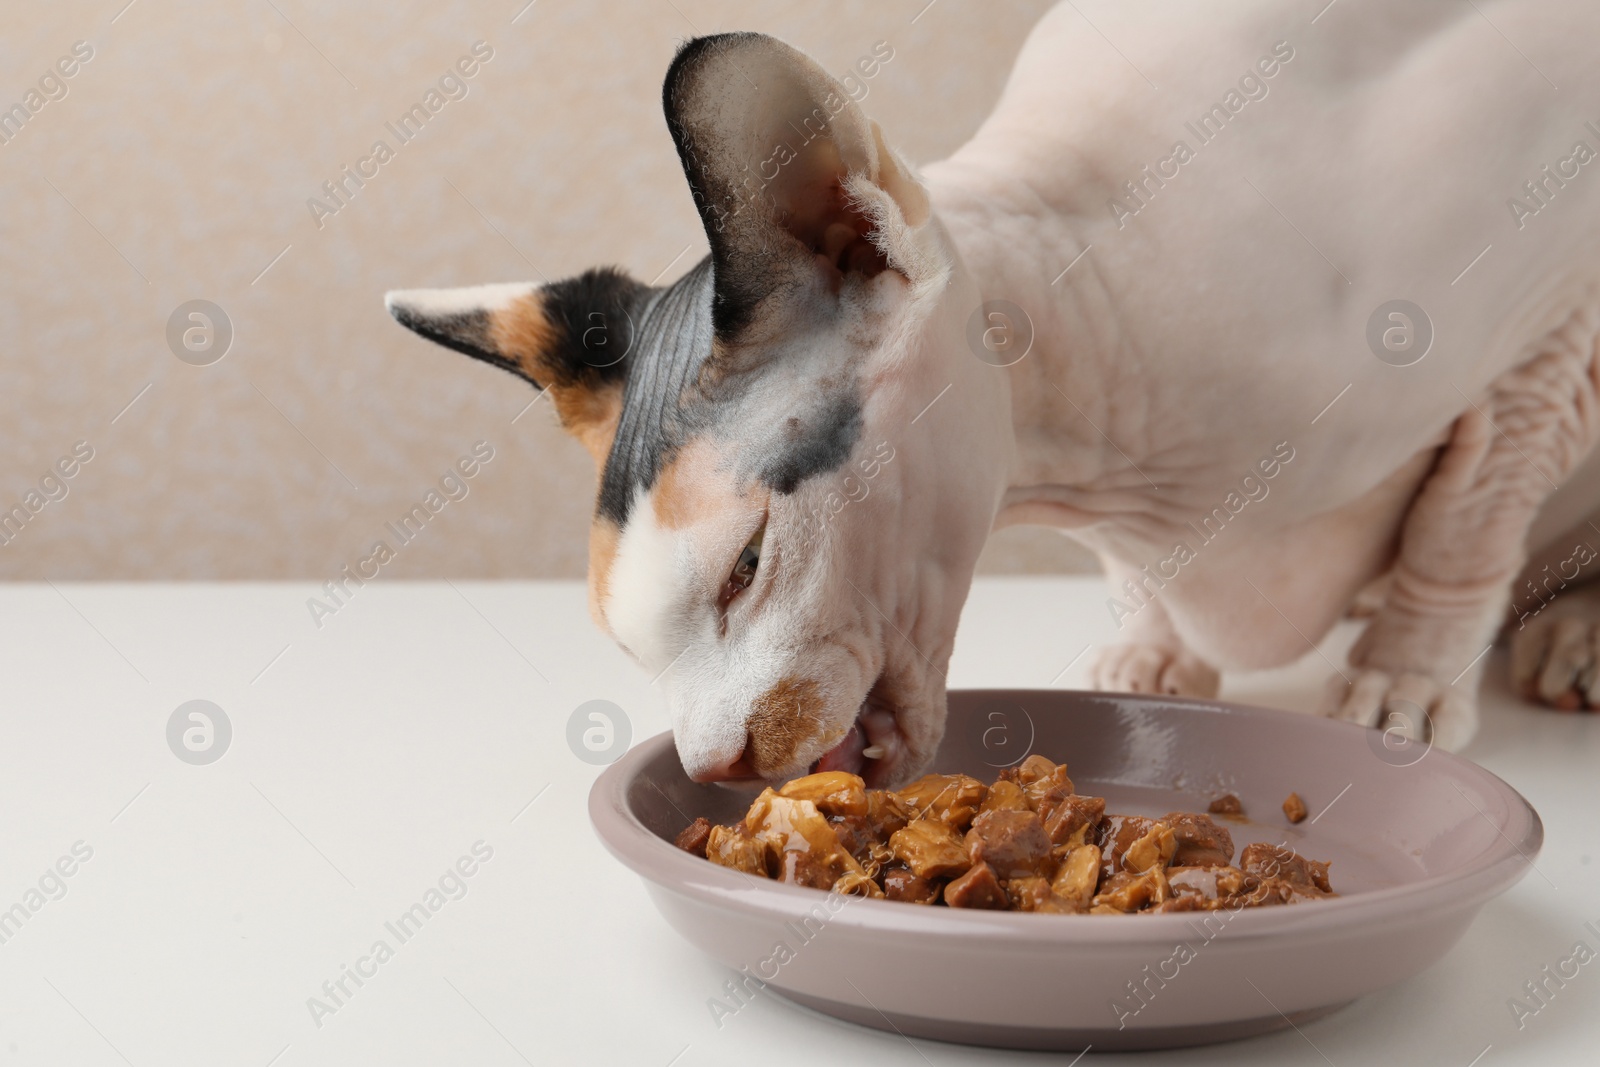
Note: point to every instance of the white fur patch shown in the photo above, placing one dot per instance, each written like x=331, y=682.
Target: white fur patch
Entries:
x=649, y=585
x=430, y=303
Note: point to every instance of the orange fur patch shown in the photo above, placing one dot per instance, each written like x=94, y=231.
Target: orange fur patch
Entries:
x=782, y=719
x=590, y=415
x=603, y=536
x=523, y=333
x=690, y=489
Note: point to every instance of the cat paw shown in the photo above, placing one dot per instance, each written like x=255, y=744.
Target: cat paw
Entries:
x=1556, y=662
x=1413, y=706
x=1153, y=669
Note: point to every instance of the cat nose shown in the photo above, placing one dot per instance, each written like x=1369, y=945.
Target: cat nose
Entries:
x=738, y=769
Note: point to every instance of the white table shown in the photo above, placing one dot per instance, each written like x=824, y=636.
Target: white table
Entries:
x=369, y=755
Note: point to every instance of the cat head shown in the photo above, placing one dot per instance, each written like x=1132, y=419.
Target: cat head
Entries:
x=799, y=456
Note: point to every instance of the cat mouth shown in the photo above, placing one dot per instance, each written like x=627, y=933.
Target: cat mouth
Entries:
x=874, y=747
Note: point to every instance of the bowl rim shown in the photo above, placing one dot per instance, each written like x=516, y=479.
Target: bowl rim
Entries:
x=662, y=864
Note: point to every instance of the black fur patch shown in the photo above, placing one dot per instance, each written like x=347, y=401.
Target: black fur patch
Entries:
x=592, y=319
x=466, y=332
x=816, y=446
x=672, y=341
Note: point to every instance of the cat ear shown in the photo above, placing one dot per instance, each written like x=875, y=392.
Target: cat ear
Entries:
x=571, y=338
x=789, y=175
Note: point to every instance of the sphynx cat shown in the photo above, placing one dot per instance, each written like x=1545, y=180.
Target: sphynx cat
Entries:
x=1295, y=308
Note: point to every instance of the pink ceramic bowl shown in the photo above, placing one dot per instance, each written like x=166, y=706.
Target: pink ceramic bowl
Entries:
x=1419, y=841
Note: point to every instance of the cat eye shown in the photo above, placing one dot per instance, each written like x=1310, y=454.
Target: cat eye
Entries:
x=744, y=570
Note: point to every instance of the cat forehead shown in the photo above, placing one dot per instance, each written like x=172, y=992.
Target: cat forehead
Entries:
x=774, y=422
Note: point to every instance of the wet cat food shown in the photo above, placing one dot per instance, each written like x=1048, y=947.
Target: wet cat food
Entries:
x=1028, y=842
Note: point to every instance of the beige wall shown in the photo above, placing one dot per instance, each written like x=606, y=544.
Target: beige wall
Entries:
x=178, y=166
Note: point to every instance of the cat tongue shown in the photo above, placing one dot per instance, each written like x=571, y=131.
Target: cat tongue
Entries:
x=846, y=755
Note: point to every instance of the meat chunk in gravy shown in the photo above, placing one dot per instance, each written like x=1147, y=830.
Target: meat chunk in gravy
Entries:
x=1077, y=876
x=931, y=849
x=1201, y=842
x=953, y=799
x=1005, y=795
x=1226, y=804
x=1030, y=842
x=1012, y=842
x=1134, y=843
x=901, y=883
x=1276, y=863
x=1075, y=820
x=833, y=792
x=1207, y=888
x=695, y=836
x=978, y=888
